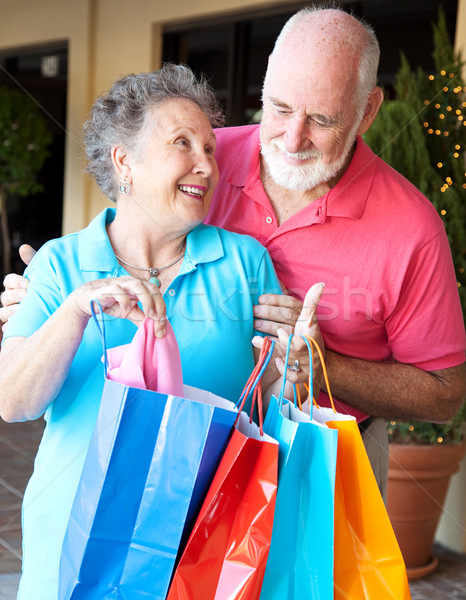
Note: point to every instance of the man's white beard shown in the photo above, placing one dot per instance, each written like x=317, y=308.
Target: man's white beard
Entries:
x=307, y=176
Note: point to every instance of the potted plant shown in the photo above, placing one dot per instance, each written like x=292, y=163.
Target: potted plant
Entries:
x=423, y=457
x=421, y=133
x=24, y=141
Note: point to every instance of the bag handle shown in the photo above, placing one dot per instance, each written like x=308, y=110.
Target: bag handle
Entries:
x=311, y=344
x=253, y=384
x=324, y=370
x=101, y=329
x=311, y=356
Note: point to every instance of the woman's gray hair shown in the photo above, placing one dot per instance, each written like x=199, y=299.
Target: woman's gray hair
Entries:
x=118, y=117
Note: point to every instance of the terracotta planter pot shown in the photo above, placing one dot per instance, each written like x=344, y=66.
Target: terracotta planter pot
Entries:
x=417, y=485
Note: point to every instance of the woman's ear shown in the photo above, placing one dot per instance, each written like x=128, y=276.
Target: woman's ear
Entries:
x=373, y=105
x=121, y=163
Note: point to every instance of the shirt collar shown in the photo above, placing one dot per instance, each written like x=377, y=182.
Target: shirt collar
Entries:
x=348, y=198
x=242, y=172
x=95, y=250
x=203, y=245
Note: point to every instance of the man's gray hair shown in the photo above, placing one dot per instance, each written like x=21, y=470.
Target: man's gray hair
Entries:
x=119, y=116
x=367, y=41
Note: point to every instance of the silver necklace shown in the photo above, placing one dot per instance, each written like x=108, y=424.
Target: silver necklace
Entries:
x=153, y=271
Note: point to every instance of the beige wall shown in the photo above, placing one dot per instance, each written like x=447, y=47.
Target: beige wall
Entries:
x=460, y=37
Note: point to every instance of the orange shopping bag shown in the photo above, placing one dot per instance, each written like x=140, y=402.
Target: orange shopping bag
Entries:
x=368, y=561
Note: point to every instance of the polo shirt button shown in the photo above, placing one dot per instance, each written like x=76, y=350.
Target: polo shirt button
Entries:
x=269, y=220
x=171, y=292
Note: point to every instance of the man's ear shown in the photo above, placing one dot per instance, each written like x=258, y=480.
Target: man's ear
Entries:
x=374, y=102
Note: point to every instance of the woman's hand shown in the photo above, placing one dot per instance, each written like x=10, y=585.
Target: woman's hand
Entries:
x=33, y=369
x=119, y=297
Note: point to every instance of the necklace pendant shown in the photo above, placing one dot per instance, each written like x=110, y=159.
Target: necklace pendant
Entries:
x=154, y=272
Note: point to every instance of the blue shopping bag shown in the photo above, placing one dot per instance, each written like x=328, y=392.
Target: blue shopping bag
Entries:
x=149, y=463
x=300, y=562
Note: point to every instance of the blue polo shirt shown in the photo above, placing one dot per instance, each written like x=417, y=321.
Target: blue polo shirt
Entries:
x=209, y=305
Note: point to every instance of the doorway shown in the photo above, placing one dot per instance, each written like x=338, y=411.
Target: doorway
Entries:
x=42, y=73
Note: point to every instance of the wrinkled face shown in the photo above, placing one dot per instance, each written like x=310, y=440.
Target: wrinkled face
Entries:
x=309, y=122
x=175, y=172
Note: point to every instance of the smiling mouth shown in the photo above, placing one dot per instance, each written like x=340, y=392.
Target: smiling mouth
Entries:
x=196, y=192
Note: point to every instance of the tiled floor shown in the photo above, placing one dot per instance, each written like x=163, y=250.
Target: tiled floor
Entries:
x=18, y=443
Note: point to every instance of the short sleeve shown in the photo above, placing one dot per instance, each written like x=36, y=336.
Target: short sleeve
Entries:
x=43, y=296
x=426, y=329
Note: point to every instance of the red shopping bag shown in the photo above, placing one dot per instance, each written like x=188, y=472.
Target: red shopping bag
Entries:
x=227, y=551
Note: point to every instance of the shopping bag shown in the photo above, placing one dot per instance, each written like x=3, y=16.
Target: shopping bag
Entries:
x=300, y=562
x=368, y=560
x=149, y=463
x=226, y=554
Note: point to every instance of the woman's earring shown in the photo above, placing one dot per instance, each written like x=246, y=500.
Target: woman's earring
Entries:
x=124, y=187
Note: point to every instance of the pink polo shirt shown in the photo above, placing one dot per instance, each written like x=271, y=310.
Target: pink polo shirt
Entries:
x=375, y=241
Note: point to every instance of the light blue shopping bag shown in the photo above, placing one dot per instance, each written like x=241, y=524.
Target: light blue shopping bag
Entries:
x=300, y=563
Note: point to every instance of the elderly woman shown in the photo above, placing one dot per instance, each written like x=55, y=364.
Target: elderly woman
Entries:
x=150, y=147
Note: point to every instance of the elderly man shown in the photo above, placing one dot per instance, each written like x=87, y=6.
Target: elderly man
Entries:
x=307, y=187
x=328, y=210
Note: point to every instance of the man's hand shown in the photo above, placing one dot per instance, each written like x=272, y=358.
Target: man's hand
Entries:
x=276, y=311
x=284, y=312
x=15, y=287
x=26, y=253
x=305, y=325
